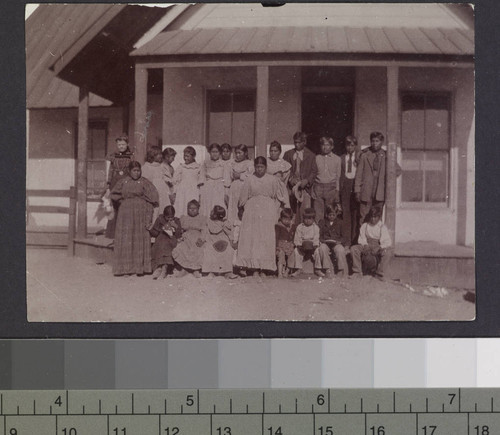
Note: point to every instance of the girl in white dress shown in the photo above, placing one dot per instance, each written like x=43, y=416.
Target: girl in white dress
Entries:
x=186, y=180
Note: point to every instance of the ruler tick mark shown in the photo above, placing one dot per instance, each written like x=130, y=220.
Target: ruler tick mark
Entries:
x=34, y=407
x=100, y=407
x=443, y=407
x=296, y=405
x=280, y=408
x=378, y=408
x=182, y=409
x=345, y=407
x=361, y=404
x=247, y=409
x=116, y=409
x=426, y=404
x=230, y=406
x=165, y=406
x=394, y=401
x=410, y=407
x=18, y=410
x=475, y=407
x=492, y=404
x=84, y=409
x=149, y=409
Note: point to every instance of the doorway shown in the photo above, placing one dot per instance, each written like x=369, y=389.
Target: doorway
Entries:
x=327, y=114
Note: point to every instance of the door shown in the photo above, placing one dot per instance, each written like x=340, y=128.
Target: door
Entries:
x=327, y=114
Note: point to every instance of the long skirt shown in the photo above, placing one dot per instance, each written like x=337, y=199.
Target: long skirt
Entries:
x=132, y=247
x=186, y=253
x=211, y=193
x=257, y=243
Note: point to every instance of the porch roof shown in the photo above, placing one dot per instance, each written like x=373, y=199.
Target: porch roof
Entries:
x=339, y=40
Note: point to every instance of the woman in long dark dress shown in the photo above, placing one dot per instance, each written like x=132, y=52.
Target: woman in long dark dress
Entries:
x=137, y=197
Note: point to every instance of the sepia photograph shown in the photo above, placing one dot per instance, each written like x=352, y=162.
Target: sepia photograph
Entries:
x=199, y=162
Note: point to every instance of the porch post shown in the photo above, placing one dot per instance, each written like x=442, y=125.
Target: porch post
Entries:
x=81, y=181
x=392, y=139
x=140, y=115
x=262, y=110
x=165, y=103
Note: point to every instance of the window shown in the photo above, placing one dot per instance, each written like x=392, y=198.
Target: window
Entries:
x=231, y=118
x=96, y=157
x=425, y=131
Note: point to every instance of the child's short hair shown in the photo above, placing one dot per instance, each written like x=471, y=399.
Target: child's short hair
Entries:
x=152, y=152
x=326, y=139
x=225, y=146
x=134, y=164
x=168, y=152
x=309, y=213
x=260, y=160
x=123, y=137
x=332, y=209
x=242, y=147
x=275, y=144
x=194, y=202
x=286, y=213
x=376, y=135
x=375, y=212
x=352, y=139
x=190, y=150
x=169, y=211
x=299, y=136
x=214, y=145
x=218, y=213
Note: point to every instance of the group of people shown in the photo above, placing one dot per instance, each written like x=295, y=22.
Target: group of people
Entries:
x=232, y=216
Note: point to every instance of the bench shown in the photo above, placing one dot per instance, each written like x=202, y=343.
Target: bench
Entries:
x=51, y=236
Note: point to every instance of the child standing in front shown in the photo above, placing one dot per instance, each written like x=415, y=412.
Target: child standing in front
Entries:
x=153, y=171
x=330, y=233
x=240, y=169
x=325, y=190
x=349, y=163
x=168, y=170
x=307, y=242
x=374, y=250
x=188, y=253
x=212, y=175
x=186, y=179
x=218, y=255
x=285, y=233
x=166, y=230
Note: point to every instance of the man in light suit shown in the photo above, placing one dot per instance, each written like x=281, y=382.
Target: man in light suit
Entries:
x=302, y=174
x=369, y=184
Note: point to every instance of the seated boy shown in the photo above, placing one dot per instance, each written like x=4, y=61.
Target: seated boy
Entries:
x=330, y=233
x=374, y=250
x=307, y=242
x=285, y=232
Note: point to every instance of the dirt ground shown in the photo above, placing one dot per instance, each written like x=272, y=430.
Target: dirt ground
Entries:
x=63, y=289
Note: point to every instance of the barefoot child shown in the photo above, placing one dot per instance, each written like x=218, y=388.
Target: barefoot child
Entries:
x=188, y=253
x=218, y=255
x=166, y=230
x=307, y=243
x=285, y=232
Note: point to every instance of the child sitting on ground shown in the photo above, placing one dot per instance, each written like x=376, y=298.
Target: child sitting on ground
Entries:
x=188, y=253
x=166, y=230
x=374, y=250
x=285, y=232
x=330, y=233
x=307, y=243
x=218, y=255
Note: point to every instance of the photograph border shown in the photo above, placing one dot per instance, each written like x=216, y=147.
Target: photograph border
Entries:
x=13, y=312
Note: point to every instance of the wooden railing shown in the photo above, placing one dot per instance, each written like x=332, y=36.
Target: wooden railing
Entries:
x=70, y=210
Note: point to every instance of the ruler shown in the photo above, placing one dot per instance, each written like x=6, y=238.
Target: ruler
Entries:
x=251, y=412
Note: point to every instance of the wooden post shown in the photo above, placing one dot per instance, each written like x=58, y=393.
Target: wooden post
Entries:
x=81, y=182
x=165, y=102
x=126, y=119
x=392, y=140
x=140, y=115
x=262, y=110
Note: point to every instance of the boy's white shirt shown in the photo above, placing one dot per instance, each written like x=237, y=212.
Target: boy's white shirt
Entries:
x=378, y=231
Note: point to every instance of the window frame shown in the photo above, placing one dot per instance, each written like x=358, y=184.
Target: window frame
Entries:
x=210, y=92
x=445, y=205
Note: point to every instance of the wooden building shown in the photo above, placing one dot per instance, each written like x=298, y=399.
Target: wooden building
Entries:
x=193, y=74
